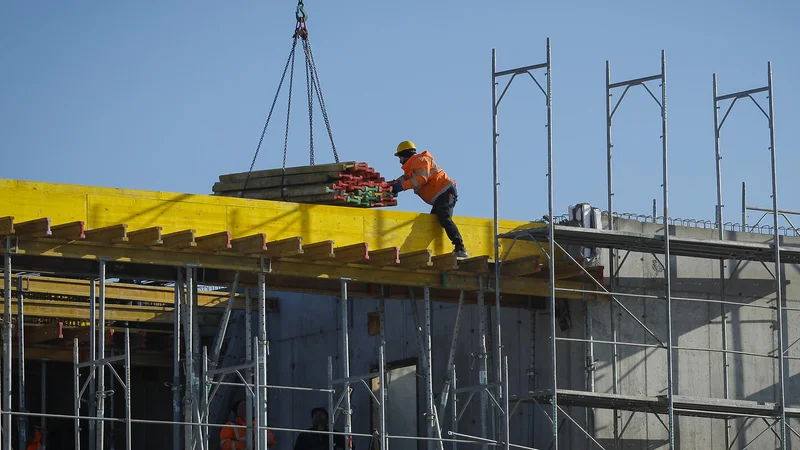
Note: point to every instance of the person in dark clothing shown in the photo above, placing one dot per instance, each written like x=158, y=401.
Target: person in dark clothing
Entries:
x=319, y=441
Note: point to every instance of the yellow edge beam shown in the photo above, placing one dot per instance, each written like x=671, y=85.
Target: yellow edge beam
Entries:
x=206, y=214
x=80, y=311
x=293, y=268
x=120, y=291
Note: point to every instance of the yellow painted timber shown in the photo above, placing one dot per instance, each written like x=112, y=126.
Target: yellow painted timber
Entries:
x=80, y=311
x=120, y=291
x=379, y=228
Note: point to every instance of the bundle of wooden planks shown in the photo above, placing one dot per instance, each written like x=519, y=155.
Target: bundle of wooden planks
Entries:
x=347, y=184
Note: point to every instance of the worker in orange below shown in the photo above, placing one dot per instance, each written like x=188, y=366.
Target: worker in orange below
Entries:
x=235, y=438
x=36, y=442
x=432, y=184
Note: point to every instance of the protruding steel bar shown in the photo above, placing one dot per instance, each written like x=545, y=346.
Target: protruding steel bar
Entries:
x=101, y=353
x=22, y=421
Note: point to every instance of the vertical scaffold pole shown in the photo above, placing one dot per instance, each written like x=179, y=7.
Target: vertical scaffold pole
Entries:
x=76, y=407
x=346, y=364
x=551, y=250
x=248, y=331
x=454, y=404
x=101, y=353
x=22, y=423
x=188, y=338
x=7, y=346
x=667, y=257
x=43, y=419
x=176, y=363
x=263, y=352
x=128, y=424
x=331, y=412
x=482, y=359
x=778, y=275
x=382, y=368
x=612, y=253
x=257, y=391
x=92, y=398
x=496, y=228
x=721, y=236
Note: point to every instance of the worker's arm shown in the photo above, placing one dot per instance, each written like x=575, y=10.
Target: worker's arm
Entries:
x=420, y=172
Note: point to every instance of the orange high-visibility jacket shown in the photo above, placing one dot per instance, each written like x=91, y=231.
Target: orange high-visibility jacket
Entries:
x=234, y=438
x=36, y=443
x=426, y=178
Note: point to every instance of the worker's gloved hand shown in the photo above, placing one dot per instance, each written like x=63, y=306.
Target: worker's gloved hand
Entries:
x=241, y=445
x=397, y=188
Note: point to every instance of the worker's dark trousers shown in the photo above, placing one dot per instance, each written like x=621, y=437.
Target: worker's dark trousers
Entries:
x=443, y=208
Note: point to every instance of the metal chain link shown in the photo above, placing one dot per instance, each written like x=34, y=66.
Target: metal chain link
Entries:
x=269, y=116
x=318, y=88
x=310, y=93
x=286, y=133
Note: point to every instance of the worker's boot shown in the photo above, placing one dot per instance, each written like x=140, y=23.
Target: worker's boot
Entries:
x=461, y=253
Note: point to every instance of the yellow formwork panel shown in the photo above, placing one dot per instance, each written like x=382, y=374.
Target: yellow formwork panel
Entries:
x=380, y=228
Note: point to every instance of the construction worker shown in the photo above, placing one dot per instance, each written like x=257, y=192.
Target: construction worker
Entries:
x=235, y=438
x=433, y=186
x=36, y=442
x=320, y=441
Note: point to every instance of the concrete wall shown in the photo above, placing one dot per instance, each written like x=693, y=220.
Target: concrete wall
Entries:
x=305, y=332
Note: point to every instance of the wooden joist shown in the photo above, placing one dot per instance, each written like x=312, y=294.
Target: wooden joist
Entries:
x=385, y=257
x=6, y=225
x=147, y=236
x=33, y=228
x=518, y=267
x=333, y=167
x=214, y=242
x=255, y=243
x=179, y=239
x=286, y=248
x=318, y=250
x=477, y=264
x=111, y=234
x=447, y=261
x=356, y=253
x=70, y=231
x=415, y=260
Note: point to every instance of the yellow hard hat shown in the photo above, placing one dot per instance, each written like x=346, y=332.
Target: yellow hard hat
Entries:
x=405, y=145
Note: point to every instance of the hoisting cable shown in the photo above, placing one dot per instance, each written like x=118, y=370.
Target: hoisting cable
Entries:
x=313, y=87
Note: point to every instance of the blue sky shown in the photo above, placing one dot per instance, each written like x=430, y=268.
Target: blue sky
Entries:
x=168, y=95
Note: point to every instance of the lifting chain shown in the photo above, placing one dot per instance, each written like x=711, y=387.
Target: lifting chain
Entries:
x=313, y=87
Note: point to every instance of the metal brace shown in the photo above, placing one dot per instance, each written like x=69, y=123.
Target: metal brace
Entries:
x=265, y=264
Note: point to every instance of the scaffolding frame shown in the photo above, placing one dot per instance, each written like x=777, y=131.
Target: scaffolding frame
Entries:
x=721, y=249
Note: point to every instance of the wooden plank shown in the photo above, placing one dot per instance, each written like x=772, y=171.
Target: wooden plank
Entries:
x=339, y=167
x=146, y=236
x=214, y=242
x=278, y=181
x=385, y=257
x=110, y=234
x=284, y=248
x=477, y=264
x=318, y=251
x=255, y=243
x=33, y=228
x=71, y=231
x=352, y=253
x=517, y=267
x=418, y=259
x=179, y=239
x=288, y=193
x=447, y=261
x=6, y=225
